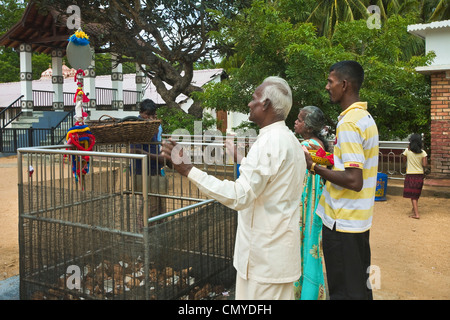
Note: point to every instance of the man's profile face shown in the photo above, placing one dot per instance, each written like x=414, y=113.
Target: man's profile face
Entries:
x=334, y=87
x=256, y=106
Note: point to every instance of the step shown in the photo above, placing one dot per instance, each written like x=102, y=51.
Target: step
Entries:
x=24, y=122
x=21, y=125
x=27, y=117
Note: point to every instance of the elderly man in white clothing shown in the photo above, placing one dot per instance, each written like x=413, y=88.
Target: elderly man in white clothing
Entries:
x=267, y=196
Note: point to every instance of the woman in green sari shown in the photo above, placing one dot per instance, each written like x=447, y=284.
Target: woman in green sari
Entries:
x=311, y=285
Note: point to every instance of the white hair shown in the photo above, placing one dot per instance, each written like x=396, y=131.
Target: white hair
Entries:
x=277, y=90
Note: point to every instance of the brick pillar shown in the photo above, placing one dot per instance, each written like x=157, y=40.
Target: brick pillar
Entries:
x=440, y=125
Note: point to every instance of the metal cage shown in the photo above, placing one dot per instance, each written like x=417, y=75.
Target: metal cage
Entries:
x=97, y=235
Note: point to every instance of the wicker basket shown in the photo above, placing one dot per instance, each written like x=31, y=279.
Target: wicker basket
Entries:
x=126, y=130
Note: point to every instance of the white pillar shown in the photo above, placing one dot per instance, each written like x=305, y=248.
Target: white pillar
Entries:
x=117, y=82
x=140, y=84
x=89, y=83
x=26, y=78
x=57, y=80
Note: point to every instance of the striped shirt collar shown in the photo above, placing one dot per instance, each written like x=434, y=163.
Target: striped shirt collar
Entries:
x=356, y=105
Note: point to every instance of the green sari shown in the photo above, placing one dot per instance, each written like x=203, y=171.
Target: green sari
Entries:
x=311, y=285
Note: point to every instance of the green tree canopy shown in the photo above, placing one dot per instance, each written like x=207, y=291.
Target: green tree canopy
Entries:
x=265, y=42
x=168, y=37
x=11, y=12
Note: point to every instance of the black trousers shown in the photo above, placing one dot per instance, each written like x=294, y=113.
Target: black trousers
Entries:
x=347, y=259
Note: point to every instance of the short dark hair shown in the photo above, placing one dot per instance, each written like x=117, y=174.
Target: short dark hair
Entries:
x=349, y=70
x=147, y=106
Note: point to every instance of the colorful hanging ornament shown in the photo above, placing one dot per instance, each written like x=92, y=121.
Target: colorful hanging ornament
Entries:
x=78, y=78
x=78, y=51
x=80, y=136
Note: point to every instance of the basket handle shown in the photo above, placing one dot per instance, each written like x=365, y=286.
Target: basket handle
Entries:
x=105, y=115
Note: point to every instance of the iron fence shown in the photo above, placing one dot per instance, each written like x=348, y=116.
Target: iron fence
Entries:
x=10, y=113
x=105, y=98
x=390, y=159
x=97, y=236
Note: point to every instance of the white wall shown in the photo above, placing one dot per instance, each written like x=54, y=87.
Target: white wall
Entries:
x=438, y=40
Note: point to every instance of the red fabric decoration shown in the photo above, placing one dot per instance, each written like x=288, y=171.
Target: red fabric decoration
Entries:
x=85, y=98
x=79, y=71
x=330, y=158
x=321, y=153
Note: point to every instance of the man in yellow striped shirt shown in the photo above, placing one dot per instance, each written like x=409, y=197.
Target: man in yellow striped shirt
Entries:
x=346, y=205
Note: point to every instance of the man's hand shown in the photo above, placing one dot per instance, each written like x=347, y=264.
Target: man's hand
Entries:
x=350, y=178
x=233, y=150
x=308, y=158
x=174, y=154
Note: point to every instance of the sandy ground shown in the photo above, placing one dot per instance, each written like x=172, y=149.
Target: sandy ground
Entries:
x=410, y=257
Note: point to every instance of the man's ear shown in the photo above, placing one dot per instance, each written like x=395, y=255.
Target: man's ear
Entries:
x=266, y=103
x=345, y=85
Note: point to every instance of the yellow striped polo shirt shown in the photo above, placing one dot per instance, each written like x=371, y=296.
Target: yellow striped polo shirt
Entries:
x=356, y=147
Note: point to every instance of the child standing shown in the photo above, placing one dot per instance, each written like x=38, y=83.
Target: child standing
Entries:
x=416, y=159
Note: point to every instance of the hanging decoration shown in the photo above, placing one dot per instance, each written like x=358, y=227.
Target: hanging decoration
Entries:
x=80, y=56
x=78, y=51
x=81, y=137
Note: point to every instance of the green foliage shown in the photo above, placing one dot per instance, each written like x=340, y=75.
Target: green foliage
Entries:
x=328, y=14
x=103, y=65
x=399, y=97
x=40, y=63
x=307, y=71
x=392, y=87
x=10, y=13
x=267, y=42
x=173, y=119
x=9, y=66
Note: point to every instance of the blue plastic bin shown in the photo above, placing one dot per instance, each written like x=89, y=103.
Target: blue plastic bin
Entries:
x=380, y=190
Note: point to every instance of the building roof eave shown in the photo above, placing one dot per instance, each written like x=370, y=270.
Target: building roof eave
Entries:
x=434, y=69
x=420, y=30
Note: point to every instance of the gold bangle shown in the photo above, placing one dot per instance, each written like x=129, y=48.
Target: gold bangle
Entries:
x=312, y=168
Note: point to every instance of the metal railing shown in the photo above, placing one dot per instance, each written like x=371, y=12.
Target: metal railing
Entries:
x=13, y=138
x=42, y=100
x=11, y=112
x=131, y=99
x=390, y=159
x=105, y=97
